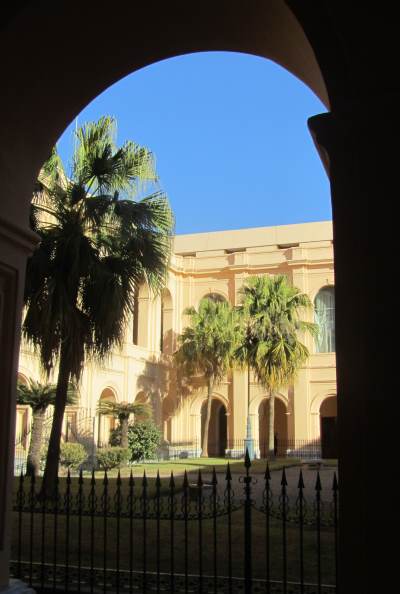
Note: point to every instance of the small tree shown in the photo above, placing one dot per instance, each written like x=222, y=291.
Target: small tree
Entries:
x=206, y=348
x=122, y=411
x=144, y=440
x=39, y=397
x=271, y=321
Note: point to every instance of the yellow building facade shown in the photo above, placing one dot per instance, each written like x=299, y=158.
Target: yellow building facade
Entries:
x=216, y=264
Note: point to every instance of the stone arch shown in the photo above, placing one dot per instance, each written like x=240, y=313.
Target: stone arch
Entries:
x=217, y=296
x=106, y=423
x=328, y=427
x=280, y=425
x=142, y=397
x=318, y=400
x=23, y=378
x=198, y=401
x=257, y=400
x=218, y=428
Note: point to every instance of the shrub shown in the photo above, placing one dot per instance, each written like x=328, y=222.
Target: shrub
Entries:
x=72, y=455
x=144, y=438
x=113, y=457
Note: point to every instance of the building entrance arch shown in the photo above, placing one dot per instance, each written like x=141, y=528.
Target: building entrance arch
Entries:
x=328, y=425
x=107, y=423
x=38, y=103
x=218, y=428
x=280, y=426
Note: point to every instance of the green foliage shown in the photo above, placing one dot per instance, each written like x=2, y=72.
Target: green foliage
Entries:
x=113, y=457
x=207, y=345
x=123, y=410
x=39, y=396
x=72, y=455
x=144, y=438
x=271, y=322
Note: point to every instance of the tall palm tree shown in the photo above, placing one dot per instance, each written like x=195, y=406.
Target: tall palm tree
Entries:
x=98, y=243
x=271, y=312
x=39, y=397
x=122, y=411
x=206, y=348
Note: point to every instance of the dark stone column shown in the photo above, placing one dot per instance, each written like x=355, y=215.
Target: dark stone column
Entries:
x=16, y=243
x=364, y=176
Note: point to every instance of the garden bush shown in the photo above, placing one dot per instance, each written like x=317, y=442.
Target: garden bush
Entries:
x=112, y=457
x=144, y=438
x=72, y=455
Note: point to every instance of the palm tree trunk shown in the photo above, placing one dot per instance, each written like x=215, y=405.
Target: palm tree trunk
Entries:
x=35, y=446
x=124, y=431
x=53, y=453
x=271, y=423
x=204, y=447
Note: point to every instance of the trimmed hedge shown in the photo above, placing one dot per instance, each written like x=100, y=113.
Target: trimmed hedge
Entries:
x=114, y=457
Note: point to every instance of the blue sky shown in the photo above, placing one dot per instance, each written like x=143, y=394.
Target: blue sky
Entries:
x=230, y=136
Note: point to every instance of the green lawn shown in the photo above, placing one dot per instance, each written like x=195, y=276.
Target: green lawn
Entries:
x=206, y=465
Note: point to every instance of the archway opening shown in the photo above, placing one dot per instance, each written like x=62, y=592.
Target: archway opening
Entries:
x=141, y=398
x=280, y=427
x=218, y=428
x=107, y=423
x=328, y=424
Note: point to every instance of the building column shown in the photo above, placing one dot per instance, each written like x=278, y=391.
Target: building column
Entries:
x=16, y=243
x=358, y=148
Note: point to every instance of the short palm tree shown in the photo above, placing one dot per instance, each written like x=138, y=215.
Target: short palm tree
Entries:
x=206, y=348
x=271, y=313
x=39, y=397
x=98, y=243
x=122, y=411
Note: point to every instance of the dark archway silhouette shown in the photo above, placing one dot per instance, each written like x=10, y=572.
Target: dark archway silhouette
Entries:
x=347, y=51
x=218, y=428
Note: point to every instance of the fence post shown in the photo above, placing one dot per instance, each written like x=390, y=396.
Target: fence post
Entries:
x=247, y=527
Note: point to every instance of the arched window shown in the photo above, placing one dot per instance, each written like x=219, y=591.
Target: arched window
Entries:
x=216, y=297
x=325, y=318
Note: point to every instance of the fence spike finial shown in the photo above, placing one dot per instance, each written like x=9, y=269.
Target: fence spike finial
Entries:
x=172, y=481
x=318, y=485
x=267, y=474
x=214, y=480
x=335, y=485
x=247, y=461
x=228, y=476
x=185, y=480
x=284, y=480
x=300, y=484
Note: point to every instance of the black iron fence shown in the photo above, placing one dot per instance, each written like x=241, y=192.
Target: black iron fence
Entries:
x=233, y=532
x=306, y=449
